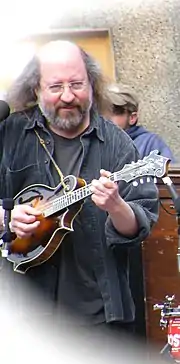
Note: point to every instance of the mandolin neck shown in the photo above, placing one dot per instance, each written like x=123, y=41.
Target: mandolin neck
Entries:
x=69, y=198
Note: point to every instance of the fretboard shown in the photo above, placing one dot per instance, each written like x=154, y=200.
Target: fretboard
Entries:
x=69, y=198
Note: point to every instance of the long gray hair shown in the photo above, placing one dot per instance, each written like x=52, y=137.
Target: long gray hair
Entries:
x=21, y=93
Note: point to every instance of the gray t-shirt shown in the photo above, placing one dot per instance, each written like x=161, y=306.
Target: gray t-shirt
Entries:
x=77, y=287
x=67, y=154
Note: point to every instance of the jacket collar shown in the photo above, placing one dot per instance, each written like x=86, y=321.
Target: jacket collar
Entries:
x=34, y=118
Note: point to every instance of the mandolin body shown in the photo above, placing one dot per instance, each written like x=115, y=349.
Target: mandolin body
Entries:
x=42, y=244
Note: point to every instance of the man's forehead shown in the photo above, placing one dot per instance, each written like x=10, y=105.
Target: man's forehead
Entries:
x=58, y=51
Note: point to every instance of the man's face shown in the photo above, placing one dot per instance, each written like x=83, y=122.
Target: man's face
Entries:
x=123, y=117
x=65, y=95
x=122, y=120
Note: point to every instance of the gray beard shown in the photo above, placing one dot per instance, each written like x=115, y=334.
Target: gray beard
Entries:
x=70, y=123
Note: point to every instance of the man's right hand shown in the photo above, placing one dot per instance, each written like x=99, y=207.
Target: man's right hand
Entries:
x=24, y=220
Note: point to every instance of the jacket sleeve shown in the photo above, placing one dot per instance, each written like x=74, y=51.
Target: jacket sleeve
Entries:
x=143, y=199
x=2, y=157
x=1, y=141
x=158, y=143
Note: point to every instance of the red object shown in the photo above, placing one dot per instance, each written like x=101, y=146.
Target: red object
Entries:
x=174, y=337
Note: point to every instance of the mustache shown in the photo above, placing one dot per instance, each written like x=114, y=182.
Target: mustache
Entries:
x=67, y=104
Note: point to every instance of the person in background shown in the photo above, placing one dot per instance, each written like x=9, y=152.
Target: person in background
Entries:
x=124, y=113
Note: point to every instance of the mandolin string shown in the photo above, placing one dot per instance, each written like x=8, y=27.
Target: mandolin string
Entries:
x=64, y=199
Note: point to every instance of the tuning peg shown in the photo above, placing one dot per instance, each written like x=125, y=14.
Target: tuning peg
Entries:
x=135, y=183
x=148, y=179
x=155, y=180
x=141, y=181
x=170, y=298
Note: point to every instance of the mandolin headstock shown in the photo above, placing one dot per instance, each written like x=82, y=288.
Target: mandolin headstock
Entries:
x=153, y=165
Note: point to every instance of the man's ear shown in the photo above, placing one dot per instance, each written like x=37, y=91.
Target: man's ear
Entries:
x=133, y=118
x=36, y=92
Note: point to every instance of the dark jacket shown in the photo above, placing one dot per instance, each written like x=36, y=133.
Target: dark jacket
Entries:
x=147, y=141
x=25, y=162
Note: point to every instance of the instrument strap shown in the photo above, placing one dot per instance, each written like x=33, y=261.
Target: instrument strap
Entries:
x=42, y=142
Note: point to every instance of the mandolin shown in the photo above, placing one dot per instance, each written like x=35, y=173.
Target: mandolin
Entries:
x=60, y=206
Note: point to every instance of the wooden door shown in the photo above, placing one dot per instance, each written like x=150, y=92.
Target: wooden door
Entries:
x=161, y=275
